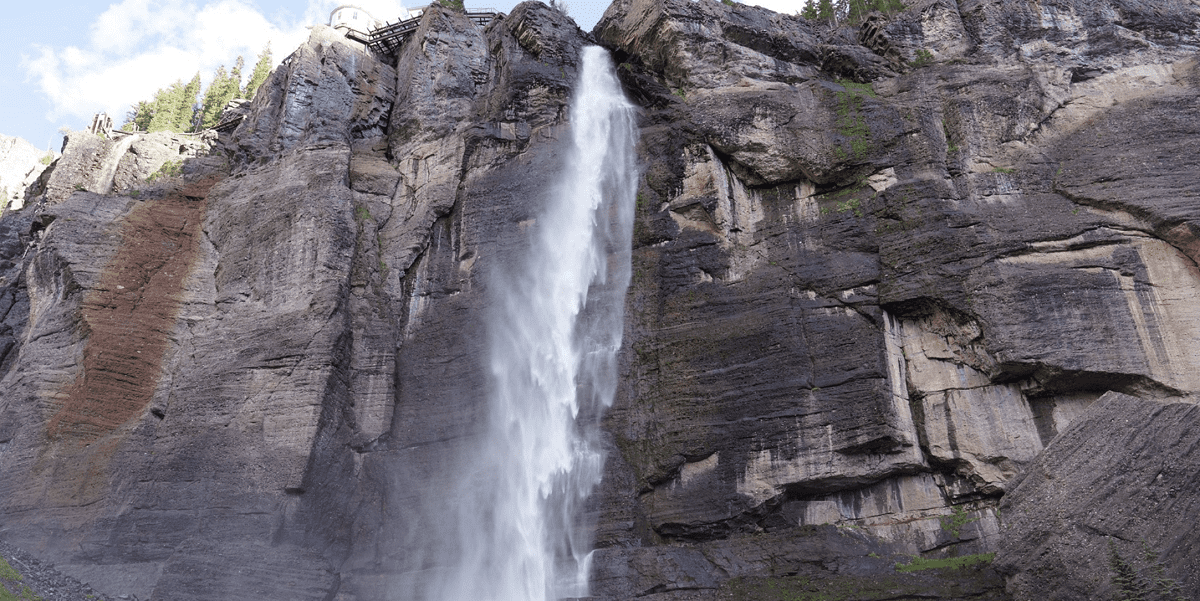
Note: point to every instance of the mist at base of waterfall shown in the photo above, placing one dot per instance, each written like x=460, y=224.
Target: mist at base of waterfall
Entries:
x=511, y=525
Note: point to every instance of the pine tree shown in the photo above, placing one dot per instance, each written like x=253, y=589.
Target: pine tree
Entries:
x=185, y=110
x=262, y=69
x=211, y=106
x=810, y=11
x=223, y=88
x=138, y=117
x=235, y=78
x=165, y=107
x=856, y=10
x=825, y=9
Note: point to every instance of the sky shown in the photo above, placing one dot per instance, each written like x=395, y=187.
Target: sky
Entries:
x=62, y=61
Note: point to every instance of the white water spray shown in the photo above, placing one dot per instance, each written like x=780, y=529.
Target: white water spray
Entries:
x=554, y=339
x=111, y=162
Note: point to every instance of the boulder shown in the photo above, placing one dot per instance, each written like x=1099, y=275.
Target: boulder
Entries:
x=1105, y=511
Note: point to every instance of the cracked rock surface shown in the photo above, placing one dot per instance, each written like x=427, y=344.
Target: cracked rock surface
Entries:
x=41, y=580
x=894, y=288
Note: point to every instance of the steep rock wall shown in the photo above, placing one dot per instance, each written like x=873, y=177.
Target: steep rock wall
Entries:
x=1108, y=497
x=335, y=263
x=873, y=286
x=877, y=270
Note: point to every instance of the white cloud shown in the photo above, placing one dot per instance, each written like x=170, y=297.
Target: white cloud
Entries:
x=138, y=46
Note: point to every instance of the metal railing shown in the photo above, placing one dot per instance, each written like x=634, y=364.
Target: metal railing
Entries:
x=388, y=38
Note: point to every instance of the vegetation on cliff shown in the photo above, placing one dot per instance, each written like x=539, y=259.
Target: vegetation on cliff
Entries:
x=185, y=108
x=848, y=11
x=11, y=587
x=872, y=307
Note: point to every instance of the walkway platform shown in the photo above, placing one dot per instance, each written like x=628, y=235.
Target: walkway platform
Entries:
x=388, y=39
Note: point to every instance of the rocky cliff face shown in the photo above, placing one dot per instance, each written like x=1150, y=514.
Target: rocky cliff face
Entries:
x=882, y=276
x=875, y=287
x=20, y=165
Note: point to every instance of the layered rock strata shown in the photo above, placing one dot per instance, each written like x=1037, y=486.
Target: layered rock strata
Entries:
x=1110, y=497
x=879, y=273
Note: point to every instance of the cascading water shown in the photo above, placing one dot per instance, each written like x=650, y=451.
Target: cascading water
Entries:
x=111, y=162
x=554, y=338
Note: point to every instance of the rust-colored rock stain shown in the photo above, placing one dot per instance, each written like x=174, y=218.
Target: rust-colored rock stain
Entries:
x=130, y=314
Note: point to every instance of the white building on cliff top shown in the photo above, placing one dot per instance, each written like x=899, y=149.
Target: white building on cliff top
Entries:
x=354, y=20
x=350, y=17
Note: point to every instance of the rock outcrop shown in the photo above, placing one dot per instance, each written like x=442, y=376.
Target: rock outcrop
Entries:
x=21, y=163
x=881, y=277
x=1110, y=497
x=897, y=288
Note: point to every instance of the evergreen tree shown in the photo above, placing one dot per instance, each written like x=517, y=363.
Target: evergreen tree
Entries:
x=262, y=69
x=810, y=11
x=185, y=110
x=214, y=101
x=138, y=117
x=856, y=10
x=825, y=9
x=165, y=107
x=235, y=78
x=223, y=88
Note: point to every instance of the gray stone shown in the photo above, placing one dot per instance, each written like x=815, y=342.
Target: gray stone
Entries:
x=1112, y=488
x=881, y=276
x=146, y=158
x=21, y=163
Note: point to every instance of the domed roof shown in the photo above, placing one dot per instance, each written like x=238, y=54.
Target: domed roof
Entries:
x=354, y=16
x=355, y=6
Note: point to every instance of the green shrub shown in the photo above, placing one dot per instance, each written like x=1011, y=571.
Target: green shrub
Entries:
x=1149, y=581
x=919, y=563
x=924, y=57
x=851, y=123
x=168, y=169
x=10, y=580
x=954, y=523
x=49, y=158
x=7, y=572
x=853, y=204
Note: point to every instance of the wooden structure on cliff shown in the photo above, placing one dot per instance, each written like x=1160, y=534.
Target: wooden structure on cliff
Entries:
x=390, y=37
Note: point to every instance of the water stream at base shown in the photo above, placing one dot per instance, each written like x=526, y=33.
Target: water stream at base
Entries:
x=554, y=337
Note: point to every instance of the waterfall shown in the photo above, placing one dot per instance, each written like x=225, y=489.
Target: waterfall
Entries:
x=111, y=161
x=554, y=335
